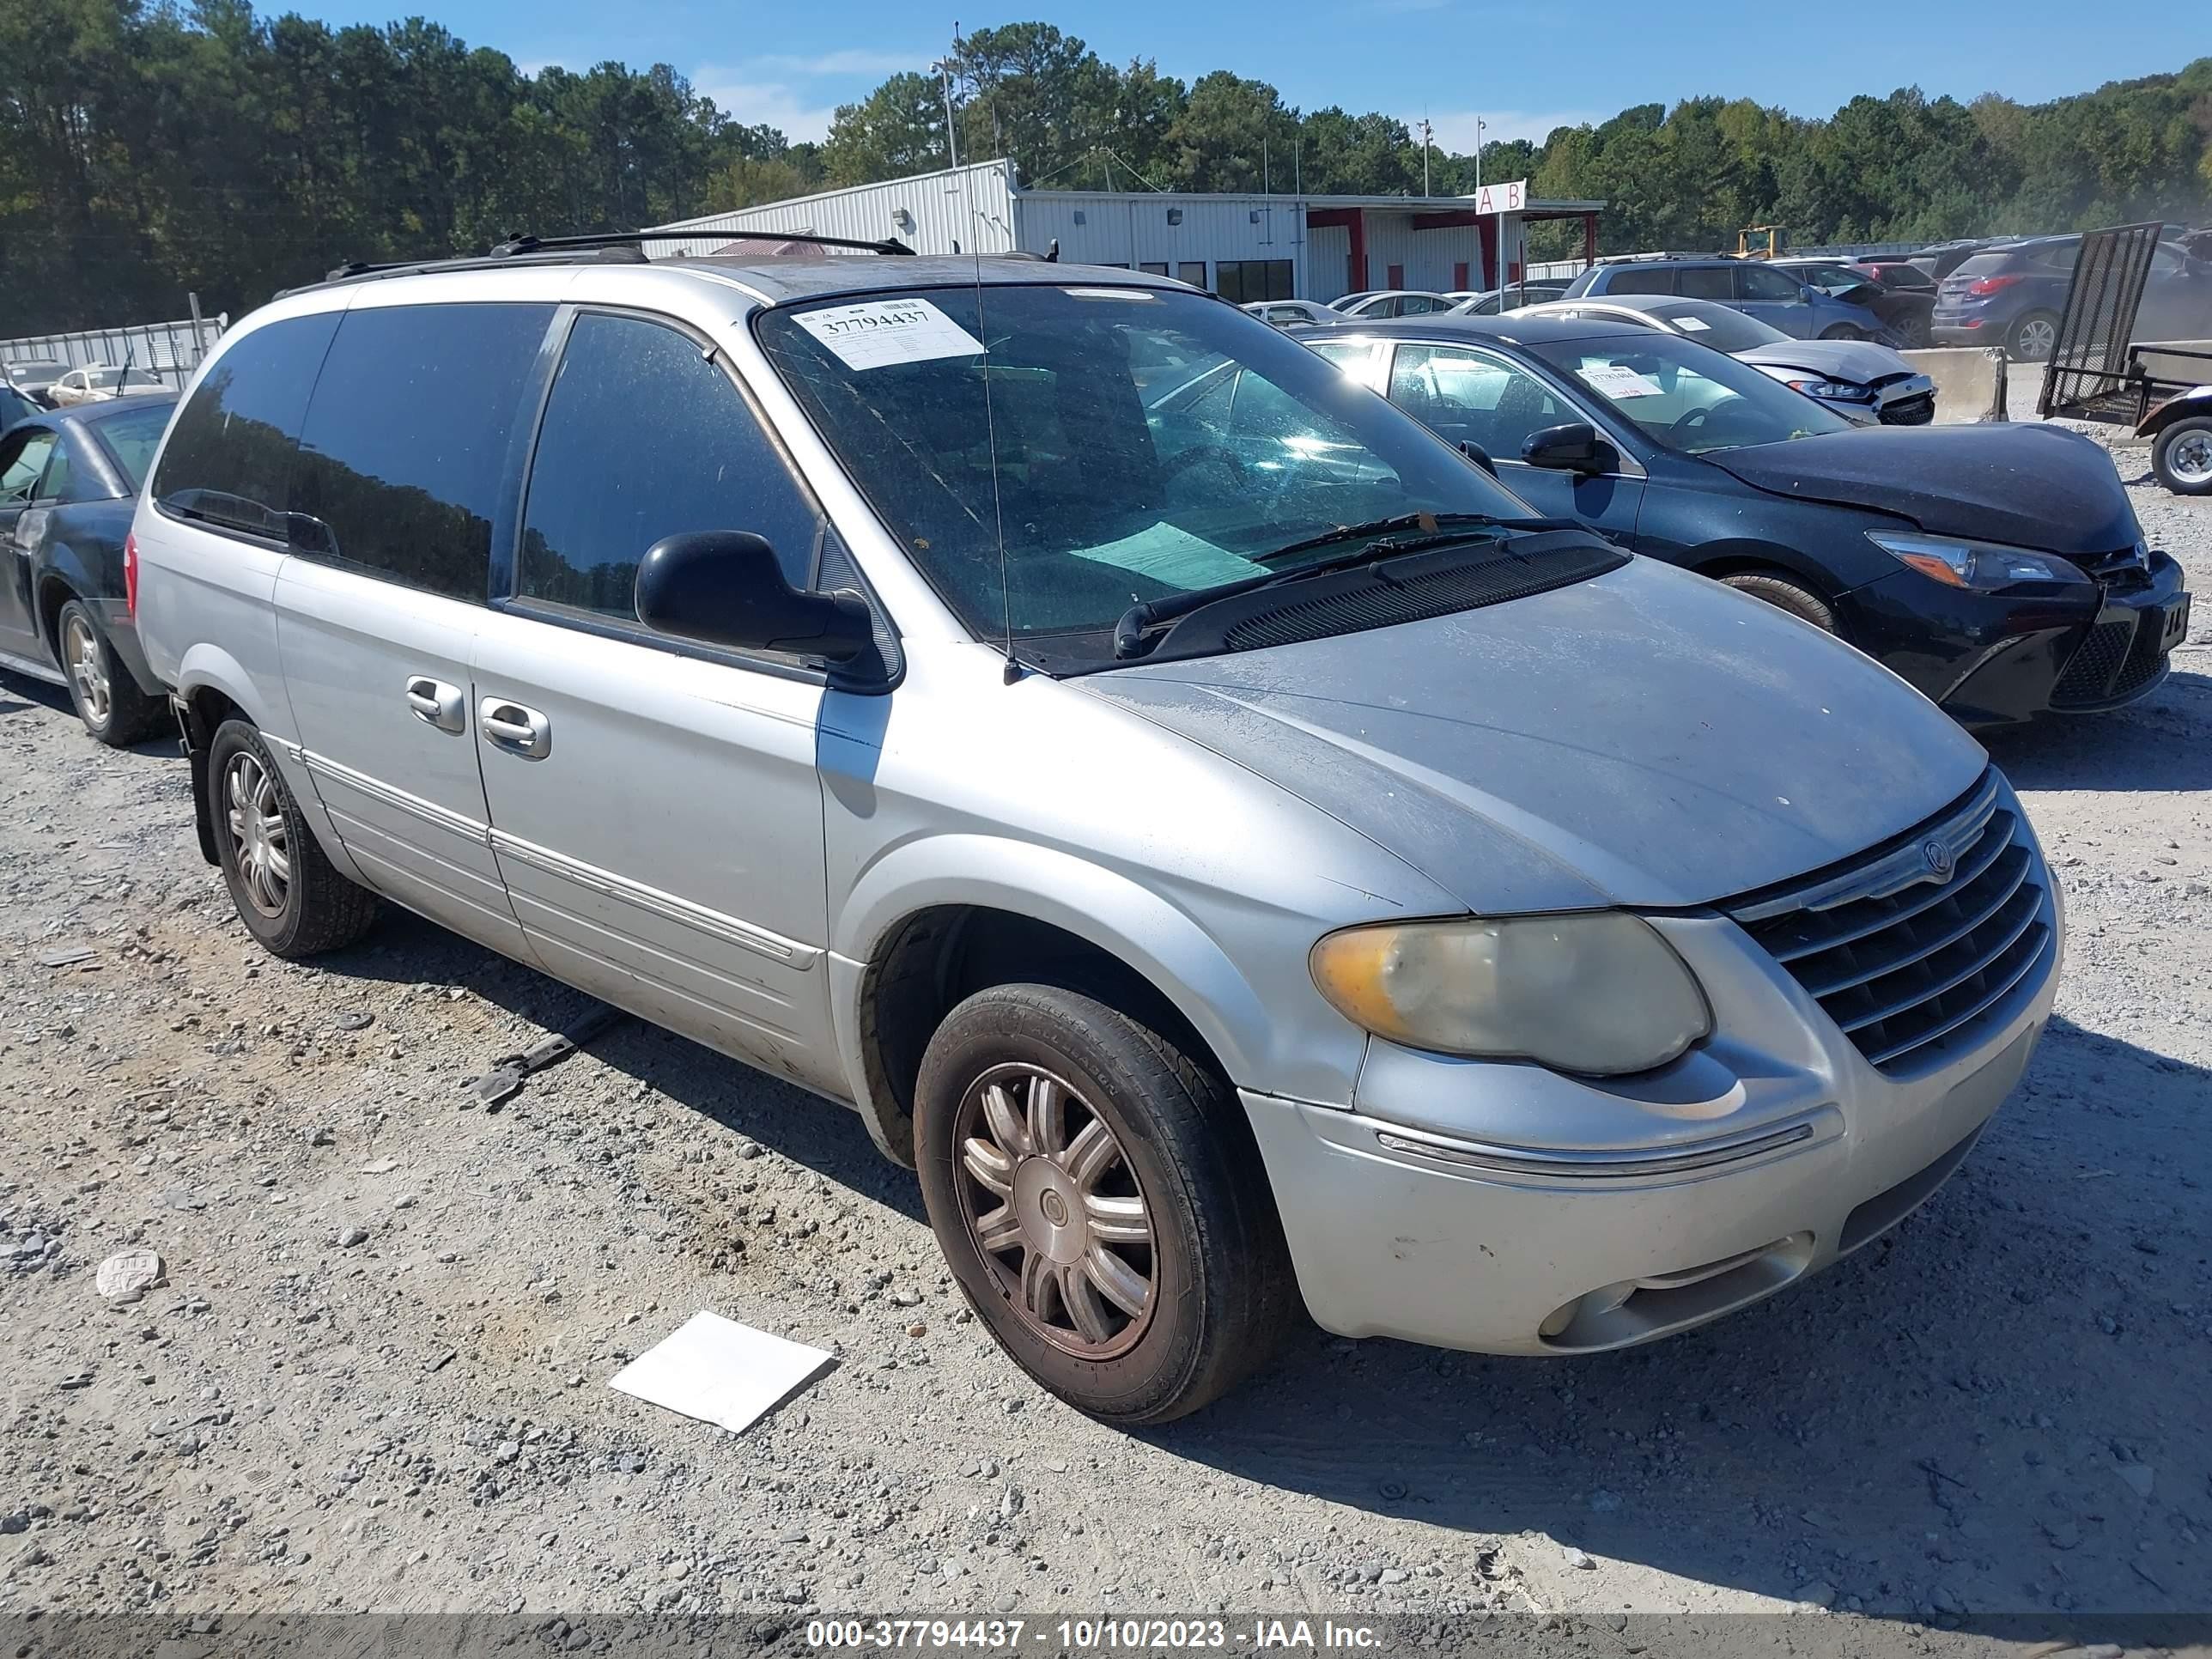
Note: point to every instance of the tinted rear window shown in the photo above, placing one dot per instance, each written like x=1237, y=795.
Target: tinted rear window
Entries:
x=1982, y=265
x=230, y=461
x=1658, y=281
x=402, y=458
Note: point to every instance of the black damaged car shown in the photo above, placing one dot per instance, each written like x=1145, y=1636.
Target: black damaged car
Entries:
x=69, y=483
x=2000, y=569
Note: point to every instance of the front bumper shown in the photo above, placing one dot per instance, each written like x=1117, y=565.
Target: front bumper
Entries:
x=1999, y=658
x=1504, y=1208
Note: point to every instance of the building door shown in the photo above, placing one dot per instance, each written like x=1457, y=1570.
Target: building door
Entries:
x=1395, y=276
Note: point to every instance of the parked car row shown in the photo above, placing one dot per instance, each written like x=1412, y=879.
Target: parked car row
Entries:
x=1784, y=298
x=1918, y=546
x=50, y=384
x=1867, y=384
x=2014, y=294
x=1218, y=809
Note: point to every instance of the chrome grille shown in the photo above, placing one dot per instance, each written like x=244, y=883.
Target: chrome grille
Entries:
x=1909, y=963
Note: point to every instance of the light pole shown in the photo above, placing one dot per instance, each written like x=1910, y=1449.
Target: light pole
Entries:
x=1426, y=130
x=1480, y=124
x=944, y=81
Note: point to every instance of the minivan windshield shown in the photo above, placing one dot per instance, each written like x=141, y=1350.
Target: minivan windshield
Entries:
x=1687, y=398
x=1127, y=444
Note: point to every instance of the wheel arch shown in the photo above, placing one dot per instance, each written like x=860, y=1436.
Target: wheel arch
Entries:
x=1736, y=558
x=211, y=688
x=2184, y=406
x=938, y=919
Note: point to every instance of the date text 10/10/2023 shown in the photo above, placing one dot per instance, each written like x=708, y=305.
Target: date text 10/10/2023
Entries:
x=1133, y=1635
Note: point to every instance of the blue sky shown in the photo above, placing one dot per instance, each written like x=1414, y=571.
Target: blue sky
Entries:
x=1524, y=66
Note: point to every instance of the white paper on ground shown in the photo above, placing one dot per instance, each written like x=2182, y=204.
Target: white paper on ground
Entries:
x=884, y=332
x=719, y=1371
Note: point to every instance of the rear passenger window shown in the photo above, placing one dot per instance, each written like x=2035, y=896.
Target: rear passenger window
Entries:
x=229, y=459
x=1762, y=282
x=1705, y=282
x=404, y=446
x=645, y=438
x=1654, y=279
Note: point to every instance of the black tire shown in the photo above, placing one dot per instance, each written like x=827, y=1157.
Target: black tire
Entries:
x=1785, y=595
x=1221, y=1294
x=2025, y=339
x=2183, y=439
x=1911, y=331
x=1843, y=332
x=107, y=697
x=317, y=909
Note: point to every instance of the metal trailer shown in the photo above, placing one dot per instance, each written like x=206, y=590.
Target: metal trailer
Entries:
x=2096, y=372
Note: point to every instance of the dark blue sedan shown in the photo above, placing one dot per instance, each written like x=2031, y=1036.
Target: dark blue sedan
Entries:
x=1999, y=569
x=68, y=481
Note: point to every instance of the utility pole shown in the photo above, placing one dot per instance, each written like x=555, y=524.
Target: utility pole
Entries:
x=944, y=82
x=1480, y=124
x=1426, y=130
x=1263, y=164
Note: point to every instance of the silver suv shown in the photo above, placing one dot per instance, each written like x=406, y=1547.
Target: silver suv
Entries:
x=1191, y=813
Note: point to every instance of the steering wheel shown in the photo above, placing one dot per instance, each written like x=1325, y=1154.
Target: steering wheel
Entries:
x=1691, y=421
x=1198, y=454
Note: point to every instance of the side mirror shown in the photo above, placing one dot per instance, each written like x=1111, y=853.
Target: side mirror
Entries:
x=725, y=587
x=1475, y=452
x=1573, y=447
x=1807, y=292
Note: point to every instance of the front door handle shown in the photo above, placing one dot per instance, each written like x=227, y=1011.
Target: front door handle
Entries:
x=519, y=730
x=435, y=703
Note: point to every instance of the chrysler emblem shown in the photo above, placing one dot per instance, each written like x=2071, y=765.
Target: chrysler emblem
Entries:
x=1939, y=859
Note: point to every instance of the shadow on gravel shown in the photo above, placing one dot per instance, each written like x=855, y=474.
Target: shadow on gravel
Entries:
x=1939, y=1419
x=736, y=1098
x=2162, y=743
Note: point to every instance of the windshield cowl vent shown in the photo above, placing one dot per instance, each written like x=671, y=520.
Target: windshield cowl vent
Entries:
x=1462, y=586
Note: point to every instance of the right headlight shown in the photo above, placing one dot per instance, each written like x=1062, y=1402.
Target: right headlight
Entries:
x=1595, y=992
x=1984, y=567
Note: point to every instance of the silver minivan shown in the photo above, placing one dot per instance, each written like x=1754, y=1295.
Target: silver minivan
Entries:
x=1194, y=815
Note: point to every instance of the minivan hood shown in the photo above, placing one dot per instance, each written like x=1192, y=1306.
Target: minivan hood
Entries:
x=1647, y=738
x=2030, y=486
x=1856, y=363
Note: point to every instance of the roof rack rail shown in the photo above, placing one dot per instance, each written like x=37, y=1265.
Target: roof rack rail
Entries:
x=1669, y=253
x=522, y=244
x=548, y=249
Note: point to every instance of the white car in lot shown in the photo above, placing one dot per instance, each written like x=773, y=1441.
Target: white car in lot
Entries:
x=101, y=381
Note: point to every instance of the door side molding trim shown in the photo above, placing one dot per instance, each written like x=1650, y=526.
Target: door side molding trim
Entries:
x=453, y=822
x=728, y=928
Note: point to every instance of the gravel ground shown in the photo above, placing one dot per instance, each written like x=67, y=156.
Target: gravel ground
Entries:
x=375, y=1376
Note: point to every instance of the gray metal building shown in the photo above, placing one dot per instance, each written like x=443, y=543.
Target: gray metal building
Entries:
x=1256, y=246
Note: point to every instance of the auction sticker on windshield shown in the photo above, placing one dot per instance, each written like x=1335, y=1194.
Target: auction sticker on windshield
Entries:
x=1691, y=325
x=882, y=332
x=1613, y=380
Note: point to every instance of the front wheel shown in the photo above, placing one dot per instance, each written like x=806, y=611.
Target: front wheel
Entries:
x=1784, y=595
x=107, y=699
x=1843, y=332
x=285, y=890
x=2181, y=456
x=1098, y=1198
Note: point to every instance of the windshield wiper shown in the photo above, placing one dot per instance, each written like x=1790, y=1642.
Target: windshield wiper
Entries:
x=1345, y=533
x=1147, y=614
